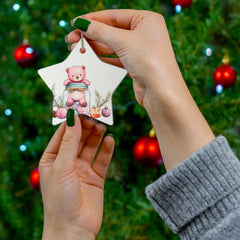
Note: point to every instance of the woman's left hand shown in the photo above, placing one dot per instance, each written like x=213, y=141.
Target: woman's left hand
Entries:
x=72, y=182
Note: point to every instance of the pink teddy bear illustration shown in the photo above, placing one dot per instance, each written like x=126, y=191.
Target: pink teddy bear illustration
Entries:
x=76, y=74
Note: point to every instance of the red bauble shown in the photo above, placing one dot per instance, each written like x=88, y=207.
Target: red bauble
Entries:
x=146, y=152
x=225, y=75
x=35, y=179
x=182, y=3
x=25, y=56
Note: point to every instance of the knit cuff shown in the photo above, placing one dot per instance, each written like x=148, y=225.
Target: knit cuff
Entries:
x=198, y=183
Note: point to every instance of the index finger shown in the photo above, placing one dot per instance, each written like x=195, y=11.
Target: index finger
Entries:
x=121, y=18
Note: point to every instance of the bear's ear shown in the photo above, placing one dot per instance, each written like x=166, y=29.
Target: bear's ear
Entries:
x=67, y=70
x=83, y=67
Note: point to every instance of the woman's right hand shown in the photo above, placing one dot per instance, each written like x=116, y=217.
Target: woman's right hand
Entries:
x=141, y=41
x=139, y=38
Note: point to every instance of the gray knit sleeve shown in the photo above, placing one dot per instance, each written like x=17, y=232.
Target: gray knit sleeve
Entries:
x=200, y=198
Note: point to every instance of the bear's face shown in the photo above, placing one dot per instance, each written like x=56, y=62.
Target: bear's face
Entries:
x=76, y=73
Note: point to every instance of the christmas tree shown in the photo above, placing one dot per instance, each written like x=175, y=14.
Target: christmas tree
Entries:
x=202, y=34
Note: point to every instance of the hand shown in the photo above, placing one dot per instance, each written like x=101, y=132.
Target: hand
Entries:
x=139, y=38
x=71, y=183
x=141, y=41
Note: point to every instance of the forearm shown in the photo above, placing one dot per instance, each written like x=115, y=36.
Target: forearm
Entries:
x=179, y=125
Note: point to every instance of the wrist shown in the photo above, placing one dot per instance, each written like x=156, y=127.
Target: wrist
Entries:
x=164, y=87
x=66, y=233
x=179, y=125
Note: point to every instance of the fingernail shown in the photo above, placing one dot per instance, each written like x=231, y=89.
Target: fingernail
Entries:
x=82, y=24
x=70, y=117
x=66, y=39
x=69, y=47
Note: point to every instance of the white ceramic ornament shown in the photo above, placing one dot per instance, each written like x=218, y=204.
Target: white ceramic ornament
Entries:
x=84, y=83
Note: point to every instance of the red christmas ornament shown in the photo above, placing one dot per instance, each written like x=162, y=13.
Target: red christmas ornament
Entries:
x=25, y=56
x=225, y=75
x=35, y=179
x=146, y=152
x=182, y=3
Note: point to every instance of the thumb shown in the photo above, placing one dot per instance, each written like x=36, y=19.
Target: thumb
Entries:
x=101, y=32
x=70, y=141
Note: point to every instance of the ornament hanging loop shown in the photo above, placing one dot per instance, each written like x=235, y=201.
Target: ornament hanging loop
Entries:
x=82, y=49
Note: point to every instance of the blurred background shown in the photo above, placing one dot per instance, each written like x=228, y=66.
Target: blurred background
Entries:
x=206, y=38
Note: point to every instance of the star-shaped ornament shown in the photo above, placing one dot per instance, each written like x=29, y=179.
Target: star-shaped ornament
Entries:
x=84, y=83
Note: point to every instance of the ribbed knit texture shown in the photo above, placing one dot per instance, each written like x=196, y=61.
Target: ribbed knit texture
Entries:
x=200, y=198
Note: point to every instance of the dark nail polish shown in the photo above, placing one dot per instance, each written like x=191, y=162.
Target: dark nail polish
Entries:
x=70, y=117
x=82, y=24
x=66, y=39
x=69, y=47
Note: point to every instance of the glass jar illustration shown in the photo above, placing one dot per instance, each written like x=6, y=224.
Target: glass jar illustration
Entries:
x=77, y=97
